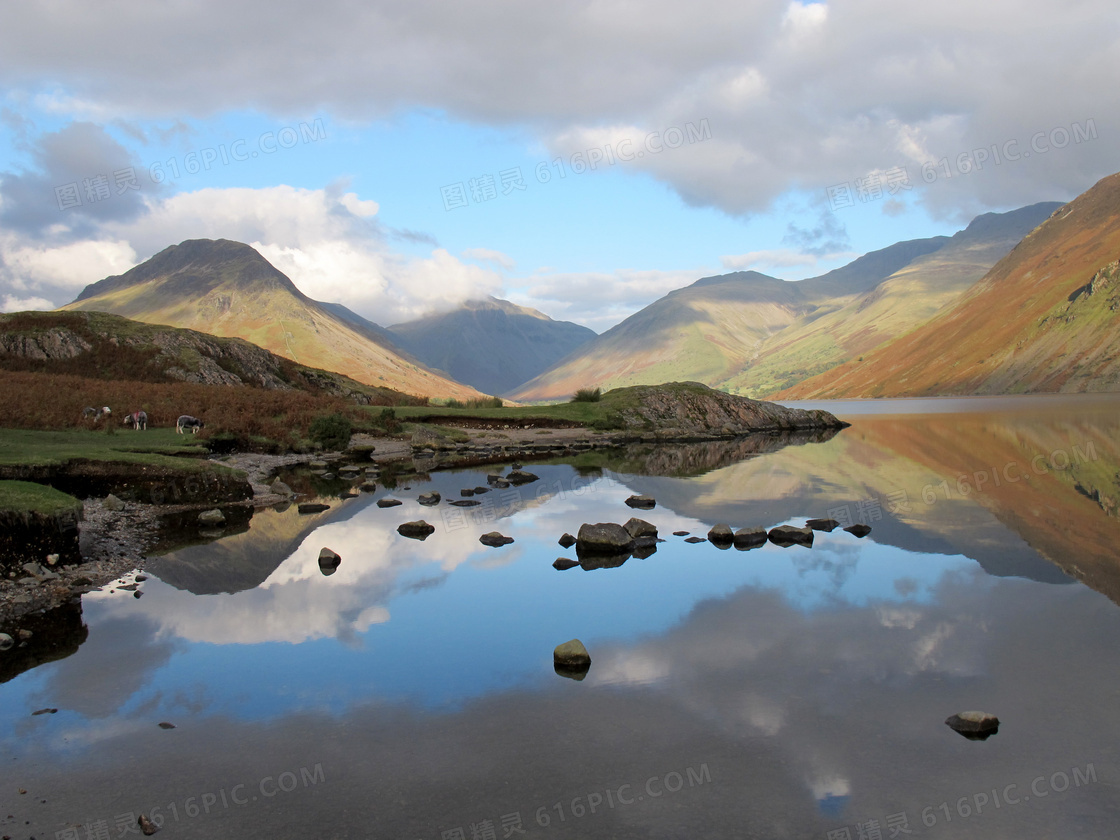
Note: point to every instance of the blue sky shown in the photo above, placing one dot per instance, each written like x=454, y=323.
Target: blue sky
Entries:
x=351, y=147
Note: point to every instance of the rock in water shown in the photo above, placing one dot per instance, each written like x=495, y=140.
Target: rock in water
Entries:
x=787, y=535
x=418, y=530
x=518, y=477
x=822, y=524
x=572, y=655
x=211, y=517
x=113, y=503
x=748, y=538
x=567, y=540
x=387, y=502
x=466, y=502
x=312, y=507
x=146, y=825
x=859, y=530
x=721, y=536
x=695, y=540
x=429, y=499
x=329, y=561
x=642, y=502
x=564, y=563
x=638, y=528
x=976, y=726
x=495, y=540
x=603, y=538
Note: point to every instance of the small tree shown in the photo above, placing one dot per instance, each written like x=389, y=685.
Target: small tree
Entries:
x=588, y=395
x=332, y=431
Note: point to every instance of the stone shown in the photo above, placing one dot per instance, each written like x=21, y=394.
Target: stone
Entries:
x=466, y=492
x=281, y=489
x=494, y=478
x=603, y=538
x=328, y=476
x=24, y=635
x=787, y=535
x=6, y=642
x=478, y=491
x=329, y=561
x=418, y=530
x=429, y=499
x=680, y=533
x=212, y=517
x=312, y=507
x=501, y=484
x=642, y=502
x=113, y=503
x=466, y=502
x=166, y=725
x=827, y=525
x=495, y=540
x=721, y=536
x=640, y=528
x=976, y=726
x=695, y=540
x=564, y=563
x=386, y=502
x=567, y=541
x=747, y=538
x=859, y=530
x=572, y=654
x=146, y=825
x=261, y=489
x=45, y=712
x=517, y=477
x=52, y=559
x=368, y=486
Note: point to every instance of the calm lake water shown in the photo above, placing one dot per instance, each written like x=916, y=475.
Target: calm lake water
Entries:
x=778, y=692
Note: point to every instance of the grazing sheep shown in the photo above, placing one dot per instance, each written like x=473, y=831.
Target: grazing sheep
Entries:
x=95, y=414
x=137, y=420
x=185, y=421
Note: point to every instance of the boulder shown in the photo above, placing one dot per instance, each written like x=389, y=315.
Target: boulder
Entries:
x=642, y=502
x=603, y=538
x=418, y=530
x=567, y=541
x=429, y=499
x=518, y=477
x=721, y=536
x=640, y=528
x=386, y=502
x=113, y=503
x=495, y=540
x=564, y=563
x=827, y=525
x=6, y=642
x=747, y=538
x=212, y=517
x=329, y=561
x=312, y=507
x=859, y=530
x=787, y=535
x=976, y=726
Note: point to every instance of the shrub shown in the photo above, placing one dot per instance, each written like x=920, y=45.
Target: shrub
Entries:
x=389, y=422
x=588, y=395
x=332, y=431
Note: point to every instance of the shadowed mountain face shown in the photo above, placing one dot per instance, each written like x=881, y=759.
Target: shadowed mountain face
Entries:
x=492, y=345
x=751, y=334
x=1044, y=319
x=226, y=288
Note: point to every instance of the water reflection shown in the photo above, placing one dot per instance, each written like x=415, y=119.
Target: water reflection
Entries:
x=792, y=691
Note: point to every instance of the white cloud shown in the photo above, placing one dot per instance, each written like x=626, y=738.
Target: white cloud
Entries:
x=765, y=261
x=14, y=304
x=490, y=256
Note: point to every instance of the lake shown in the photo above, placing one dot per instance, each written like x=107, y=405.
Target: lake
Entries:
x=771, y=693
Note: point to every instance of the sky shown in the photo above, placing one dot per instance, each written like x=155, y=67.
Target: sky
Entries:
x=581, y=158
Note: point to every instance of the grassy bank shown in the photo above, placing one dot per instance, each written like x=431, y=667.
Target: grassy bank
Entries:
x=28, y=497
x=155, y=447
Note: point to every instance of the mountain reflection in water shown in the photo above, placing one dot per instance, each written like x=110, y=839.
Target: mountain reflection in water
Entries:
x=768, y=693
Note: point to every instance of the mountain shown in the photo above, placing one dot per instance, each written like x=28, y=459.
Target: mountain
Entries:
x=226, y=288
x=492, y=345
x=752, y=334
x=1044, y=319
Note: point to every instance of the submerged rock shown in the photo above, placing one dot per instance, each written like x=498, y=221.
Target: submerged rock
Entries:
x=976, y=726
x=418, y=530
x=388, y=503
x=642, y=502
x=680, y=533
x=518, y=477
x=466, y=502
x=787, y=535
x=567, y=540
x=695, y=540
x=429, y=499
x=603, y=538
x=564, y=563
x=859, y=530
x=466, y=492
x=747, y=538
x=312, y=507
x=495, y=540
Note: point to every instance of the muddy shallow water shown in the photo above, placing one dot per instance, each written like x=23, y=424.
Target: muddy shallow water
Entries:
x=777, y=692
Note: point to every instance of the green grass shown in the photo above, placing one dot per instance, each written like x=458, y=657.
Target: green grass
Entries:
x=35, y=498
x=157, y=447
